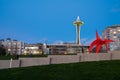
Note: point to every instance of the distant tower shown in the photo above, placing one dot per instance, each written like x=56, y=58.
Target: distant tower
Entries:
x=78, y=23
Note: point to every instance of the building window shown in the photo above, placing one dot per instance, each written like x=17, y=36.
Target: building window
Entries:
x=114, y=34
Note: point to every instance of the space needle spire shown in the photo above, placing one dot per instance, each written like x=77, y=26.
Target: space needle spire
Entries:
x=78, y=24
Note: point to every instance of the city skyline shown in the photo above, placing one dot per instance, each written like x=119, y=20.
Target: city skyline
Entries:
x=52, y=21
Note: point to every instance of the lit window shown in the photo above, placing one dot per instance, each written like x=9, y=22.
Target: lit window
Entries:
x=114, y=32
x=9, y=49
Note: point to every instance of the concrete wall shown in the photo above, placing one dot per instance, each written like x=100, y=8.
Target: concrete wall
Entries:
x=58, y=59
x=115, y=55
x=90, y=57
x=95, y=57
x=33, y=61
x=6, y=64
x=105, y=56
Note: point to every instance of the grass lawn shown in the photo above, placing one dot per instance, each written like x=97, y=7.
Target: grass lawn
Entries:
x=102, y=70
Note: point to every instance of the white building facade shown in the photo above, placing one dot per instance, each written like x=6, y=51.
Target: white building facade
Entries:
x=113, y=33
x=33, y=49
x=13, y=47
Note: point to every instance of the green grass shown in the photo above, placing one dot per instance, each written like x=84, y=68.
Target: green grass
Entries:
x=102, y=70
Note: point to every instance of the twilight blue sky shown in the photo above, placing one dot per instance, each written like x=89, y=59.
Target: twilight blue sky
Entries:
x=35, y=21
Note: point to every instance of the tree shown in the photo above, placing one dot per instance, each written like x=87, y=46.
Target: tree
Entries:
x=2, y=50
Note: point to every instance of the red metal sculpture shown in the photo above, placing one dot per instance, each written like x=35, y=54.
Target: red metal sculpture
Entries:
x=98, y=43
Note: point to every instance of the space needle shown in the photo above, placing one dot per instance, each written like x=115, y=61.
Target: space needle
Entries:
x=78, y=24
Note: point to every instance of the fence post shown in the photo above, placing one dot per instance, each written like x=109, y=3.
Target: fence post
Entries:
x=111, y=56
x=11, y=62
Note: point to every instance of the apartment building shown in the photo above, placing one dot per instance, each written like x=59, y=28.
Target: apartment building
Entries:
x=13, y=46
x=113, y=33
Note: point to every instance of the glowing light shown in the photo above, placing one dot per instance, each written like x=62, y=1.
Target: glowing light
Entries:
x=9, y=49
x=114, y=32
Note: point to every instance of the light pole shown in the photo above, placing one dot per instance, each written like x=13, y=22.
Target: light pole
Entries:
x=78, y=23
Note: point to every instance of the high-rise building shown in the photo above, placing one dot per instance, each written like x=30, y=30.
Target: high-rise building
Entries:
x=77, y=24
x=13, y=47
x=113, y=33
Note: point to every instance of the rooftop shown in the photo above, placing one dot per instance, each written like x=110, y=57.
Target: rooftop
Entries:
x=114, y=26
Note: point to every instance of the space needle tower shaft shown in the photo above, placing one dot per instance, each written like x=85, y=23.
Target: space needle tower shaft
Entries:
x=78, y=24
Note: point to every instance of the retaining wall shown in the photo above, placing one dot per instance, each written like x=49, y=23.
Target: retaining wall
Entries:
x=58, y=59
x=33, y=61
x=115, y=56
x=6, y=64
x=96, y=57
